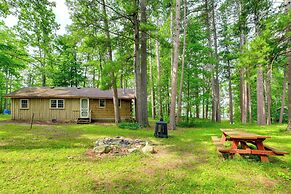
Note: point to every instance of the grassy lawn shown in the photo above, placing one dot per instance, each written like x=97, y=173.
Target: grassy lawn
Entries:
x=52, y=159
x=4, y=117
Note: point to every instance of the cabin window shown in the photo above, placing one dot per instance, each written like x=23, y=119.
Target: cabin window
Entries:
x=57, y=104
x=102, y=103
x=119, y=103
x=24, y=104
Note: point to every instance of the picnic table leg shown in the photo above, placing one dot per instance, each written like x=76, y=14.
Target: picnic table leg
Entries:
x=260, y=146
x=223, y=138
x=234, y=146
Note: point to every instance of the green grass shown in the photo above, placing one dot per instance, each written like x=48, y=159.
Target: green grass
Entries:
x=52, y=159
x=4, y=117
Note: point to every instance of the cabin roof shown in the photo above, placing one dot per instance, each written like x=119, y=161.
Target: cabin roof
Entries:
x=70, y=92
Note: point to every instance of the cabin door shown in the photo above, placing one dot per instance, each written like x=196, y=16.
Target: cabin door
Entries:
x=84, y=108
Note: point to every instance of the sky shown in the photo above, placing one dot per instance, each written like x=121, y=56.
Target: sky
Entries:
x=62, y=17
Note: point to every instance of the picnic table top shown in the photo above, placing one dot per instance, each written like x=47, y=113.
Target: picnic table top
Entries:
x=237, y=134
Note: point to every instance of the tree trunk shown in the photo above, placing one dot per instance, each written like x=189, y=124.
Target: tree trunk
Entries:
x=188, y=96
x=143, y=67
x=85, y=76
x=183, y=62
x=230, y=93
x=207, y=108
x=268, y=93
x=243, y=83
x=209, y=44
x=217, y=93
x=172, y=124
x=171, y=33
x=6, y=89
x=121, y=79
x=113, y=83
x=250, y=103
x=159, y=79
x=288, y=53
x=243, y=96
x=153, y=104
x=197, y=109
x=203, y=102
x=94, y=78
x=138, y=110
x=100, y=70
x=283, y=97
x=261, y=116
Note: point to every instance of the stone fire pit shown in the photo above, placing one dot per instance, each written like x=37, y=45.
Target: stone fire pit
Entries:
x=122, y=146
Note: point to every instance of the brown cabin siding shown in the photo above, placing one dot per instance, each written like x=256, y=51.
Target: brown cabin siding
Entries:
x=42, y=112
x=107, y=113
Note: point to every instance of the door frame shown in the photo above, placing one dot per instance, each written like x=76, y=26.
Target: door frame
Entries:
x=88, y=104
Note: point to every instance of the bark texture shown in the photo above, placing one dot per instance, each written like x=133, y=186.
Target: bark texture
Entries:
x=159, y=79
x=261, y=115
x=137, y=64
x=269, y=95
x=230, y=93
x=283, y=97
x=153, y=104
x=183, y=64
x=216, y=76
x=141, y=65
x=172, y=124
x=288, y=7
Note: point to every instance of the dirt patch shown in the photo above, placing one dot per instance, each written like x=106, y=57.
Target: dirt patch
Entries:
x=267, y=182
x=165, y=160
x=91, y=154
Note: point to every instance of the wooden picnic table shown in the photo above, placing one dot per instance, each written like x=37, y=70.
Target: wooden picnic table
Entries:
x=242, y=138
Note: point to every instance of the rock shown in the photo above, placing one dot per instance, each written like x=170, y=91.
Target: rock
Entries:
x=99, y=142
x=132, y=150
x=138, y=146
x=121, y=146
x=148, y=149
x=102, y=149
x=107, y=149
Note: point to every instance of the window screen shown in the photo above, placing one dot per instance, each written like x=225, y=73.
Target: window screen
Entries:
x=54, y=103
x=24, y=103
x=102, y=103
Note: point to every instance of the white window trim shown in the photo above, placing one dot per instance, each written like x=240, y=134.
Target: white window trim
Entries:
x=50, y=104
x=104, y=103
x=21, y=104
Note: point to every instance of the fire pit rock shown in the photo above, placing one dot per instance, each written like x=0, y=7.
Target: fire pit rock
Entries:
x=122, y=146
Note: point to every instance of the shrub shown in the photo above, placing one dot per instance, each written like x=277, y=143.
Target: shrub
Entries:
x=127, y=125
x=185, y=124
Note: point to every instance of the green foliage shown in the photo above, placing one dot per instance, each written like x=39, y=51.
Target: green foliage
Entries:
x=67, y=69
x=36, y=27
x=129, y=125
x=13, y=59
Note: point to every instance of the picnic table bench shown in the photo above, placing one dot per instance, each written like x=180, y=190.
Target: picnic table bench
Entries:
x=240, y=141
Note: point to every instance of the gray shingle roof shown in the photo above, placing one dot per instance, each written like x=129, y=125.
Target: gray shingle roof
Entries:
x=70, y=92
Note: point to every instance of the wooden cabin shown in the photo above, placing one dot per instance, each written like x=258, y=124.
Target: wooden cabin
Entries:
x=69, y=104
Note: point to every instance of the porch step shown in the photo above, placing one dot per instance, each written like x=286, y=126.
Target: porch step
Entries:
x=83, y=120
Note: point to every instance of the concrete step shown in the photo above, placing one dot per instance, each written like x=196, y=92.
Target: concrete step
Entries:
x=83, y=120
